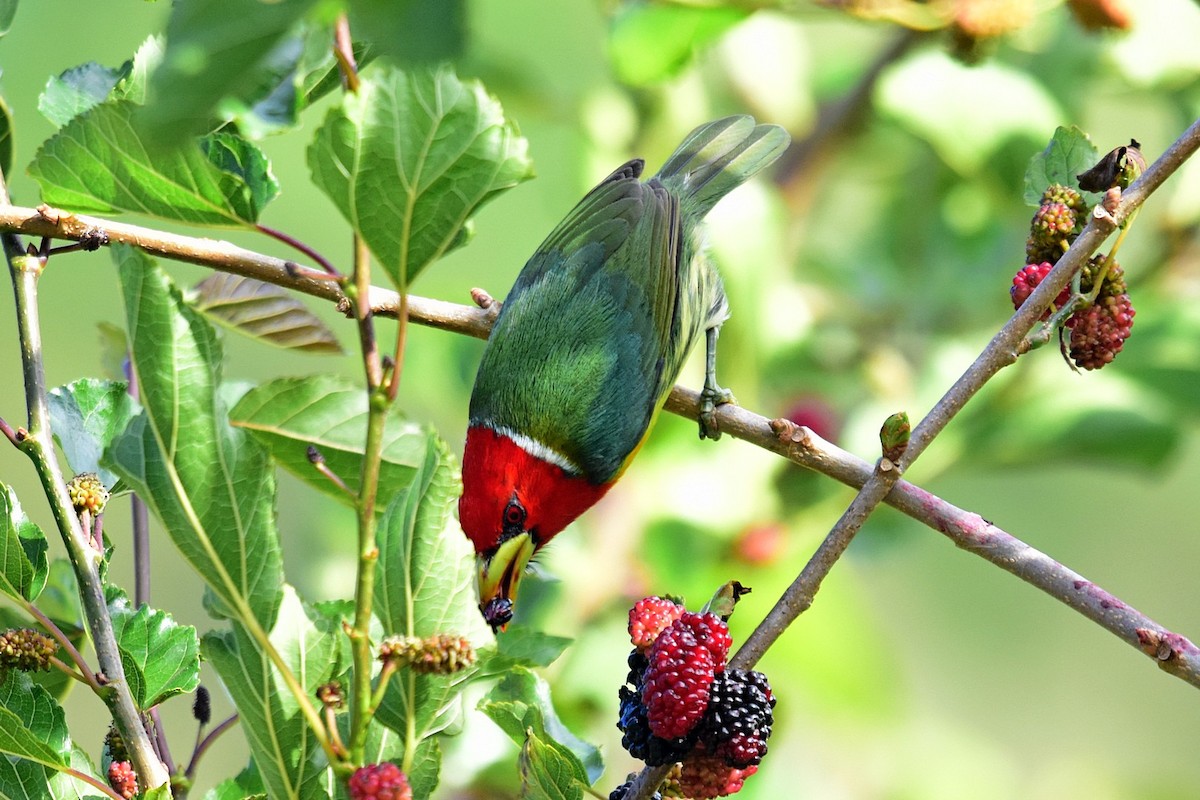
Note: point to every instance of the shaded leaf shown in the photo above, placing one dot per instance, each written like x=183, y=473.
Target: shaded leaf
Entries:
x=651, y=42
x=86, y=416
x=99, y=163
x=211, y=485
x=548, y=771
x=289, y=759
x=411, y=31
x=1069, y=153
x=68, y=95
x=329, y=412
x=521, y=702
x=409, y=159
x=166, y=653
x=23, y=563
x=272, y=104
x=212, y=54
x=263, y=311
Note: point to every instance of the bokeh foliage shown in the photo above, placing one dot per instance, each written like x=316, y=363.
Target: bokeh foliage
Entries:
x=862, y=282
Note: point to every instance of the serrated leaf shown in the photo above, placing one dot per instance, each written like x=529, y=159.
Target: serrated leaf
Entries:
x=425, y=584
x=411, y=31
x=6, y=138
x=246, y=783
x=68, y=95
x=521, y=702
x=146, y=61
x=166, y=653
x=100, y=163
x=548, y=771
x=263, y=311
x=651, y=42
x=288, y=757
x=211, y=485
x=212, y=54
x=86, y=416
x=23, y=563
x=34, y=737
x=273, y=103
x=410, y=157
x=329, y=412
x=530, y=647
x=1069, y=153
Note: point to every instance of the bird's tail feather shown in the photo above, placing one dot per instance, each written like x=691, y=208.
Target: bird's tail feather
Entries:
x=719, y=156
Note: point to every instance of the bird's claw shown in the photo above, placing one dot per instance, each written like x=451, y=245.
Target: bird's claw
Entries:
x=710, y=398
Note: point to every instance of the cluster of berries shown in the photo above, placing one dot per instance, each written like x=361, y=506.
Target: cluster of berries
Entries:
x=1098, y=330
x=682, y=704
x=26, y=650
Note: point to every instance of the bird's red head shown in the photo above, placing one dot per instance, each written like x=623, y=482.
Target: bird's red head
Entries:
x=517, y=495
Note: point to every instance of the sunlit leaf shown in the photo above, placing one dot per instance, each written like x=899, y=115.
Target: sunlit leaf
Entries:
x=34, y=736
x=650, y=42
x=410, y=157
x=329, y=412
x=520, y=702
x=87, y=416
x=263, y=311
x=23, y=564
x=425, y=584
x=288, y=757
x=6, y=138
x=1069, y=153
x=167, y=654
x=99, y=163
x=211, y=485
x=246, y=783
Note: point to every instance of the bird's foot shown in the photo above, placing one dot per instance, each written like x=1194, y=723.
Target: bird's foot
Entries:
x=710, y=398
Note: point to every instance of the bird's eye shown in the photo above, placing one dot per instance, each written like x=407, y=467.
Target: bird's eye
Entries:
x=514, y=515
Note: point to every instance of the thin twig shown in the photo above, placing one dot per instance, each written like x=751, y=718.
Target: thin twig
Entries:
x=296, y=244
x=207, y=742
x=65, y=643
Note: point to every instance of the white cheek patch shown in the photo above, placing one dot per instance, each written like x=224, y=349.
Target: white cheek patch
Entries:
x=536, y=449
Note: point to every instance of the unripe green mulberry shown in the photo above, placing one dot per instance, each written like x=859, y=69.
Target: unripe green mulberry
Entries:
x=26, y=649
x=87, y=493
x=441, y=654
x=1057, y=193
x=1114, y=279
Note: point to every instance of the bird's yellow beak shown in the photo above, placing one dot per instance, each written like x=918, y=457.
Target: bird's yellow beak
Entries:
x=499, y=576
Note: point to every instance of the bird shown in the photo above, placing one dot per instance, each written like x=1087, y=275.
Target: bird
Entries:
x=588, y=344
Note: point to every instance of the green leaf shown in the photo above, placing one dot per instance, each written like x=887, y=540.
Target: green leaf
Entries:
x=34, y=736
x=330, y=413
x=145, y=63
x=166, y=653
x=409, y=159
x=68, y=95
x=289, y=758
x=263, y=311
x=246, y=783
x=651, y=42
x=1069, y=153
x=23, y=563
x=384, y=744
x=411, y=31
x=86, y=417
x=425, y=584
x=521, y=646
x=6, y=138
x=273, y=103
x=521, y=702
x=548, y=771
x=211, y=485
x=100, y=163
x=211, y=54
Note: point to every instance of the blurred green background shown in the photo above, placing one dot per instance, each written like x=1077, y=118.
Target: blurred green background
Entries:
x=862, y=281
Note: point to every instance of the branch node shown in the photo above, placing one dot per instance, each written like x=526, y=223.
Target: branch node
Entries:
x=787, y=431
x=51, y=214
x=481, y=298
